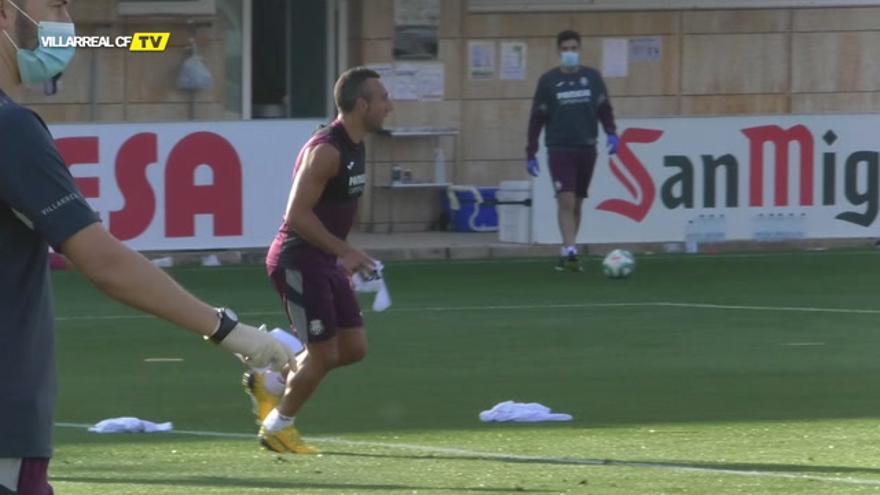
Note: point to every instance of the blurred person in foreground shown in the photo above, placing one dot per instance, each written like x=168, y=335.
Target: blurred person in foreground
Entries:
x=40, y=207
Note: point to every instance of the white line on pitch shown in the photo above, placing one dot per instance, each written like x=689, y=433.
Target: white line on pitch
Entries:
x=513, y=307
x=575, y=461
x=801, y=309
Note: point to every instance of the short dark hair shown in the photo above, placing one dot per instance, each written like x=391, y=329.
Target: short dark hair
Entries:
x=566, y=35
x=351, y=85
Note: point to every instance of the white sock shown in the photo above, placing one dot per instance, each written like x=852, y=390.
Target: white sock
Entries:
x=563, y=251
x=274, y=382
x=275, y=421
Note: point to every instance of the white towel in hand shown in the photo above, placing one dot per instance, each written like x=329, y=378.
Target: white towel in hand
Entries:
x=531, y=412
x=373, y=281
x=130, y=425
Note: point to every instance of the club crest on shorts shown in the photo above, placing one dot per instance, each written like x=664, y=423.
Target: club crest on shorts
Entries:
x=584, y=81
x=316, y=327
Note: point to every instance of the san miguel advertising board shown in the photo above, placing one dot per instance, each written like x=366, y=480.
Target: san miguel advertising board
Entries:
x=729, y=178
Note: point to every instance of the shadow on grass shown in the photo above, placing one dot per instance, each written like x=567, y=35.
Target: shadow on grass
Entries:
x=245, y=483
x=733, y=467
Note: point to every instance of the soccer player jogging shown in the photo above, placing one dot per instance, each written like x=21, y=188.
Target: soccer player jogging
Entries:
x=568, y=101
x=40, y=206
x=310, y=262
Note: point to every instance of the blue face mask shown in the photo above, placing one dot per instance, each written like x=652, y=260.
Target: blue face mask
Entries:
x=44, y=63
x=570, y=59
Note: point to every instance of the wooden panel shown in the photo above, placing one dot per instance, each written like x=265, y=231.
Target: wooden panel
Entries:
x=734, y=105
x=734, y=63
x=93, y=11
x=156, y=112
x=837, y=19
x=152, y=77
x=644, y=106
x=491, y=172
x=180, y=32
x=650, y=78
x=54, y=113
x=450, y=19
x=377, y=52
x=735, y=21
x=405, y=150
x=495, y=129
x=111, y=71
x=450, y=55
x=625, y=23
x=517, y=25
x=836, y=62
x=836, y=103
x=378, y=19
x=424, y=114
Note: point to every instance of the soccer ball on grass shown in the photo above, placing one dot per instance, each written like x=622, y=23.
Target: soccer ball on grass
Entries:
x=619, y=263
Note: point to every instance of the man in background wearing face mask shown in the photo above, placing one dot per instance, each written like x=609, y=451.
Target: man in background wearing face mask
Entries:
x=40, y=206
x=569, y=100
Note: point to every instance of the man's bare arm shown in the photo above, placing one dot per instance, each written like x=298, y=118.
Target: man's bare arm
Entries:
x=128, y=277
x=319, y=165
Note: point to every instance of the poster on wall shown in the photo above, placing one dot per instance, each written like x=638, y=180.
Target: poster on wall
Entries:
x=615, y=57
x=424, y=81
x=416, y=12
x=646, y=49
x=418, y=81
x=415, y=29
x=481, y=60
x=513, y=60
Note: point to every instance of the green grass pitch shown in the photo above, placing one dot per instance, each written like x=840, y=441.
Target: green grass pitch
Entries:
x=746, y=374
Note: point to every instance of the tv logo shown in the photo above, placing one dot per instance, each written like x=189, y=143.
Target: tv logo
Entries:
x=149, y=42
x=138, y=42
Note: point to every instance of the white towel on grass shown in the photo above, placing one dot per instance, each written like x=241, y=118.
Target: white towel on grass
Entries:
x=531, y=412
x=130, y=425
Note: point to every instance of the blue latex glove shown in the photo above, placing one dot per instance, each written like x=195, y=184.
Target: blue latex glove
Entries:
x=532, y=167
x=612, y=143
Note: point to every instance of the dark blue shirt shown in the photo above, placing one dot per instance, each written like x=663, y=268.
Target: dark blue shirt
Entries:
x=39, y=207
x=570, y=104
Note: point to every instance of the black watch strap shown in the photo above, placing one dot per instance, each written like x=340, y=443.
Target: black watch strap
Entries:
x=227, y=323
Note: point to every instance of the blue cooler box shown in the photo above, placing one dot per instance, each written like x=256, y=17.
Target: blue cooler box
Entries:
x=460, y=220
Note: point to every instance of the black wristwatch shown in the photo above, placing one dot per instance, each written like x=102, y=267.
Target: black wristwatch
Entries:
x=228, y=321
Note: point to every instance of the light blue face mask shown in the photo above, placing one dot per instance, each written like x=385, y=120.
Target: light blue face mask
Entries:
x=570, y=60
x=45, y=62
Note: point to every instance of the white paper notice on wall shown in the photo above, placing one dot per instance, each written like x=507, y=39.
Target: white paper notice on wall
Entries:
x=481, y=60
x=615, y=57
x=413, y=80
x=513, y=60
x=427, y=79
x=416, y=12
x=646, y=49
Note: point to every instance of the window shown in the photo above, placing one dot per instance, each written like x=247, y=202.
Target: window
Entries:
x=290, y=59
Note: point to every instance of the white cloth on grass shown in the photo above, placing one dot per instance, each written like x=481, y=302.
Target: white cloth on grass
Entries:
x=129, y=424
x=531, y=412
x=373, y=281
